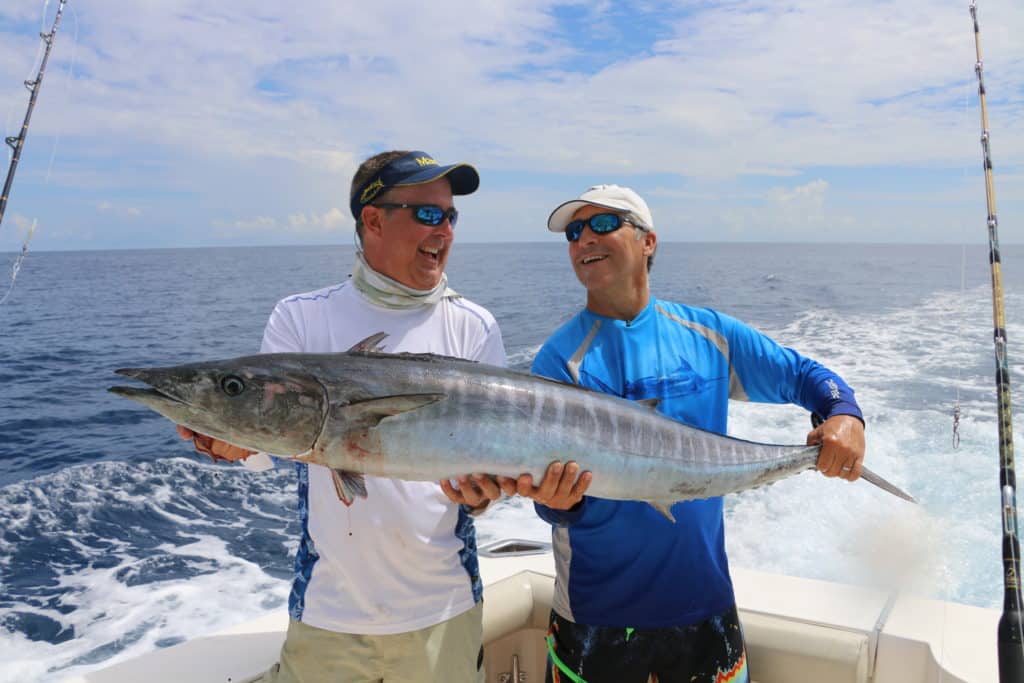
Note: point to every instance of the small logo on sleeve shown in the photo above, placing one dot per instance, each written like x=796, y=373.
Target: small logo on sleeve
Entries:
x=833, y=388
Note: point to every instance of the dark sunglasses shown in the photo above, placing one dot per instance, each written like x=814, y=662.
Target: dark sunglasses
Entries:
x=427, y=214
x=600, y=223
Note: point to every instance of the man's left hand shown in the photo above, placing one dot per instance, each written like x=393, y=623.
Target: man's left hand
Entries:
x=842, y=447
x=476, y=491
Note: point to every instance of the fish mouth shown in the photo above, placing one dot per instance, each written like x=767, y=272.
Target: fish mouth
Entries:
x=149, y=396
x=145, y=395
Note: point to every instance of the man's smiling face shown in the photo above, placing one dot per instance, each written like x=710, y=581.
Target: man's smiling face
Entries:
x=608, y=260
x=399, y=246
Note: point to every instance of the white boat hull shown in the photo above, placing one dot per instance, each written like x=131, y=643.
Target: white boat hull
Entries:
x=797, y=631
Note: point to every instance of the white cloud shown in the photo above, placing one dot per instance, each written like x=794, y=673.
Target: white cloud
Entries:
x=255, y=224
x=283, y=111
x=810, y=196
x=831, y=82
x=300, y=224
x=105, y=206
x=333, y=220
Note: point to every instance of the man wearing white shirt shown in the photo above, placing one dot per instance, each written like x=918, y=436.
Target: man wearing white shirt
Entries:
x=387, y=589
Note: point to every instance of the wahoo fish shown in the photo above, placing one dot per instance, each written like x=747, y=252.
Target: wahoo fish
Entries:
x=424, y=417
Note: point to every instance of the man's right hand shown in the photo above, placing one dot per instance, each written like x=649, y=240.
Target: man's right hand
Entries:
x=215, y=448
x=560, y=489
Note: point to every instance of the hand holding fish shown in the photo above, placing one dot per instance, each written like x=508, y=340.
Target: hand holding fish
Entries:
x=215, y=448
x=476, y=491
x=842, y=447
x=560, y=489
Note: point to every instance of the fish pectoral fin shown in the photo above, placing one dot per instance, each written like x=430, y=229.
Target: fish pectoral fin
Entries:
x=663, y=508
x=651, y=403
x=349, y=485
x=370, y=413
x=371, y=344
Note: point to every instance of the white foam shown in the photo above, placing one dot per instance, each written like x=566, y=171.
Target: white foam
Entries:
x=115, y=618
x=949, y=546
x=523, y=357
x=904, y=365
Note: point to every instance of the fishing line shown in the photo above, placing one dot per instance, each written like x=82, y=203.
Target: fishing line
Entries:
x=18, y=261
x=957, y=413
x=17, y=143
x=33, y=67
x=66, y=100
x=1010, y=632
x=959, y=344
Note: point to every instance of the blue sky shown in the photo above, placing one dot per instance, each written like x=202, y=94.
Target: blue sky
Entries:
x=178, y=123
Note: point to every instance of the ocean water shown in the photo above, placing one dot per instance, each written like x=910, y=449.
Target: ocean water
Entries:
x=116, y=539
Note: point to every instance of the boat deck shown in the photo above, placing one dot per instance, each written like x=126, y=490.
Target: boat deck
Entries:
x=797, y=630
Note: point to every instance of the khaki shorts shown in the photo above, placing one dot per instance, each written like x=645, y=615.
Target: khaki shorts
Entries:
x=449, y=652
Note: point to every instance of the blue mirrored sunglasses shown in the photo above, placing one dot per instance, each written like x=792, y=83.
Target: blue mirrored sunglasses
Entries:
x=600, y=223
x=427, y=214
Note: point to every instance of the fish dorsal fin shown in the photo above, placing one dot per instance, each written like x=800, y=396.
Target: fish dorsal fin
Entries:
x=349, y=485
x=665, y=509
x=369, y=413
x=434, y=357
x=651, y=403
x=371, y=344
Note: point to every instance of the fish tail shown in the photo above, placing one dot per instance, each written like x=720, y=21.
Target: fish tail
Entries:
x=886, y=486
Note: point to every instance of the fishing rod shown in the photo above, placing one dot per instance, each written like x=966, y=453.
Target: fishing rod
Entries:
x=1010, y=635
x=17, y=142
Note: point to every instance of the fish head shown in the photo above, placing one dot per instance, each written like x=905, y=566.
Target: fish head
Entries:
x=257, y=402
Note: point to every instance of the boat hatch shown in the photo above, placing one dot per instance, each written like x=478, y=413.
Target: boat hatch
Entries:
x=508, y=547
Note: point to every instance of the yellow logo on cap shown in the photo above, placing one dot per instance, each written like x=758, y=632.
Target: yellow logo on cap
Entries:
x=425, y=161
x=371, y=191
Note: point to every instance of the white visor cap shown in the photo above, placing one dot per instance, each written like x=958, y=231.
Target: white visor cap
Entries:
x=615, y=197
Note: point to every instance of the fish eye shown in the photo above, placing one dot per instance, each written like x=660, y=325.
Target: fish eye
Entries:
x=232, y=385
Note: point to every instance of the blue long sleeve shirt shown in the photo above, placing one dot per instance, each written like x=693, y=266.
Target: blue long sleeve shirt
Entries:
x=621, y=563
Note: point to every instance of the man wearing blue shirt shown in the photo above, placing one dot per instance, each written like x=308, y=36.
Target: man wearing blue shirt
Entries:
x=637, y=596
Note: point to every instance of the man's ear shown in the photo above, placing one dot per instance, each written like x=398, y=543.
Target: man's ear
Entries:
x=650, y=242
x=371, y=216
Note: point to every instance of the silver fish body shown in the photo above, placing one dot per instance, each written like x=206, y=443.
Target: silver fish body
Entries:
x=487, y=419
x=427, y=418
